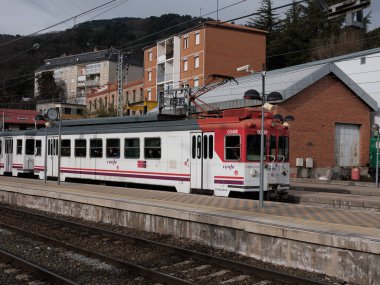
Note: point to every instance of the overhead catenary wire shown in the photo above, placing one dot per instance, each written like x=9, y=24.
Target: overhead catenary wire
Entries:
x=59, y=23
x=280, y=7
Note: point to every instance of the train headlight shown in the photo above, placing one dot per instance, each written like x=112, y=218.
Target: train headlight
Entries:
x=285, y=171
x=253, y=172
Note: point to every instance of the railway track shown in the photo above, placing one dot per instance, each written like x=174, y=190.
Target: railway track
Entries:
x=151, y=260
x=28, y=272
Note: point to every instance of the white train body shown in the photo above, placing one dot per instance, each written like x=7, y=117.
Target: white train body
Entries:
x=220, y=155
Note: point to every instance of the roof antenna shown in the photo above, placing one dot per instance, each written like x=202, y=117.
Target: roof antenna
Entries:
x=217, y=10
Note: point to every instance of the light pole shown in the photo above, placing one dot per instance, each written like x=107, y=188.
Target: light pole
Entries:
x=375, y=128
x=255, y=95
x=59, y=146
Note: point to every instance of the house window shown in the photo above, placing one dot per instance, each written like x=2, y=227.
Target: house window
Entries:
x=363, y=60
x=196, y=61
x=196, y=82
x=149, y=75
x=134, y=96
x=132, y=148
x=149, y=95
x=197, y=38
x=152, y=148
x=150, y=55
x=185, y=42
x=185, y=65
x=90, y=105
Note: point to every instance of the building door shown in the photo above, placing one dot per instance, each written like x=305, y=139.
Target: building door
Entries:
x=52, y=157
x=8, y=154
x=347, y=145
x=202, y=158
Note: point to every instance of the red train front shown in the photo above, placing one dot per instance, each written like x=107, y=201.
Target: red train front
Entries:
x=236, y=141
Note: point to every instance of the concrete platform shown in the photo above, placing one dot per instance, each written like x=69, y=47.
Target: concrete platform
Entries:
x=340, y=243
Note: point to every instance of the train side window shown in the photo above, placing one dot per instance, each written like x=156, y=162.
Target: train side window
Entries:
x=55, y=147
x=113, y=148
x=29, y=147
x=66, y=148
x=96, y=148
x=132, y=148
x=193, y=146
x=211, y=147
x=19, y=147
x=232, y=147
x=49, y=147
x=8, y=146
x=199, y=146
x=283, y=147
x=80, y=148
x=152, y=147
x=1, y=147
x=38, y=148
x=205, y=148
x=253, y=147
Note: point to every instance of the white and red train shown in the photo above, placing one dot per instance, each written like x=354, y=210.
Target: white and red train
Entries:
x=221, y=155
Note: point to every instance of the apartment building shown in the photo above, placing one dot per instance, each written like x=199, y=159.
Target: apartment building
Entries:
x=191, y=56
x=80, y=73
x=106, y=101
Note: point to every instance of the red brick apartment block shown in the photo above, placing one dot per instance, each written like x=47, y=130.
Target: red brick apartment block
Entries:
x=191, y=56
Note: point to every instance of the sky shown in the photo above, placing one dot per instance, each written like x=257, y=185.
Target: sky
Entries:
x=25, y=17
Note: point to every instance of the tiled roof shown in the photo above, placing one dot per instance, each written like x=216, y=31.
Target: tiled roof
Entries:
x=84, y=58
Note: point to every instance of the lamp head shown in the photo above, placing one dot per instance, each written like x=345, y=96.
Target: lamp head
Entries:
x=289, y=118
x=274, y=96
x=252, y=94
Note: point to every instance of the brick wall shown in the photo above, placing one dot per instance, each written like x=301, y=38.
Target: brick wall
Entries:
x=316, y=110
x=228, y=49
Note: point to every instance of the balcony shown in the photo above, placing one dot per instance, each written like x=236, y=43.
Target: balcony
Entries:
x=95, y=82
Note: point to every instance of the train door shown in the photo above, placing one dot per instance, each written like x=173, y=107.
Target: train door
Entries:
x=202, y=157
x=8, y=154
x=52, y=157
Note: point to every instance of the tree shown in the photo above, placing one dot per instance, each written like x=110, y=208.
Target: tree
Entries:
x=47, y=87
x=288, y=48
x=267, y=20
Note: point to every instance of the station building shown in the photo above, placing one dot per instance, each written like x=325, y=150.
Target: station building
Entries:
x=332, y=126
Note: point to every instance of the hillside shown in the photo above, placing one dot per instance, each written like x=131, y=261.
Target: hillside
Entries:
x=303, y=35
x=18, y=60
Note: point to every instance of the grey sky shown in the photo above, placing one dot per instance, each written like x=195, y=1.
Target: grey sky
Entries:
x=28, y=16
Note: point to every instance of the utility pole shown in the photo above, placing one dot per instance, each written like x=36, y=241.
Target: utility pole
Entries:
x=120, y=84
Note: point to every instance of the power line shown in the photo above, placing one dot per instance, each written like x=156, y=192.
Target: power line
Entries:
x=180, y=24
x=59, y=23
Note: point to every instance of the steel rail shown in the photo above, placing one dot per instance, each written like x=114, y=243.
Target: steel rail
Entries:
x=222, y=262
x=35, y=269
x=132, y=268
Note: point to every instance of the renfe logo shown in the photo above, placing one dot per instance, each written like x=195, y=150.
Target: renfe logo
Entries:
x=112, y=162
x=230, y=167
